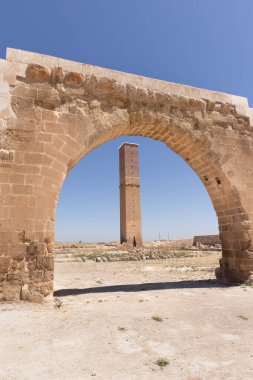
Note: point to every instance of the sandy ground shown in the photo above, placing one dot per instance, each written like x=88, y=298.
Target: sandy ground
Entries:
x=104, y=328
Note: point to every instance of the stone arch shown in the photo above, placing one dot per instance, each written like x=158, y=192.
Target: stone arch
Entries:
x=57, y=111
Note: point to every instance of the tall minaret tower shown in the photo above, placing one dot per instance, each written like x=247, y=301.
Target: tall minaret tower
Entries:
x=130, y=206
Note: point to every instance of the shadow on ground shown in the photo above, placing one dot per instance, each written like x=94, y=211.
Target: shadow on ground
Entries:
x=142, y=287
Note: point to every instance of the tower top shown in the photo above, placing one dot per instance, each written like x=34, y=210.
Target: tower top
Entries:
x=128, y=144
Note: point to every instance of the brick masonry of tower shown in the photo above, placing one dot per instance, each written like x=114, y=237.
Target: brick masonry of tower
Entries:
x=130, y=207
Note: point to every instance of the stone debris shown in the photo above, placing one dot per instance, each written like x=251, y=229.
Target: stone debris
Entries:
x=104, y=252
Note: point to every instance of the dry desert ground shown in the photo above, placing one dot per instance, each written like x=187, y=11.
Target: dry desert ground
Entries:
x=116, y=320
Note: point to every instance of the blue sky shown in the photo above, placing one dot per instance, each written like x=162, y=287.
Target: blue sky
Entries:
x=202, y=43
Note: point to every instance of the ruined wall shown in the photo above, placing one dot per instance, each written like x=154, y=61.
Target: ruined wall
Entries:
x=53, y=112
x=206, y=240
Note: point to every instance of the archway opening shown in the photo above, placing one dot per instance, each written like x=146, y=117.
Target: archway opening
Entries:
x=174, y=201
x=171, y=194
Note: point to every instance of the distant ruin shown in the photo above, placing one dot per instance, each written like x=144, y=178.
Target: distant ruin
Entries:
x=206, y=240
x=130, y=206
x=53, y=112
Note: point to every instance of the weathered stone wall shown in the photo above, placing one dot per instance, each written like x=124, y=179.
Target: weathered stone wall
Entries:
x=206, y=240
x=53, y=112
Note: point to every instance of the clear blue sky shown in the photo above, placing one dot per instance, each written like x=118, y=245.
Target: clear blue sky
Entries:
x=202, y=43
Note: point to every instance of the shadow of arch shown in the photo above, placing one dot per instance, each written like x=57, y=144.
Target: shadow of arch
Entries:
x=191, y=284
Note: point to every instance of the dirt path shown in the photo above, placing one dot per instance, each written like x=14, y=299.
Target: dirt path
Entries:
x=104, y=328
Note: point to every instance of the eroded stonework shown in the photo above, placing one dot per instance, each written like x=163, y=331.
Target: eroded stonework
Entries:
x=53, y=112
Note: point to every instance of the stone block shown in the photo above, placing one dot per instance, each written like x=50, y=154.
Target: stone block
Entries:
x=73, y=79
x=10, y=292
x=4, y=263
x=37, y=73
x=57, y=75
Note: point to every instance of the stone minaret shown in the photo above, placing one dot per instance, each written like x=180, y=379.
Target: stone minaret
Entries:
x=130, y=206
